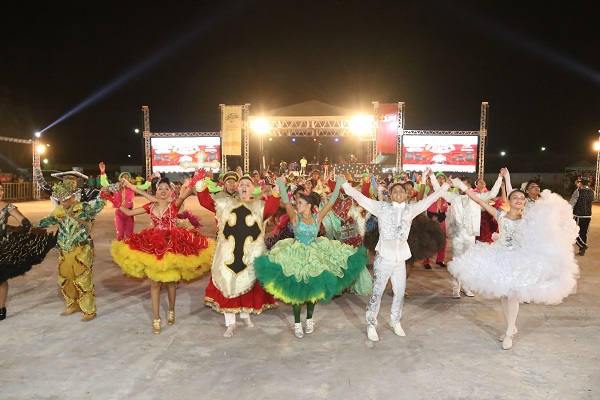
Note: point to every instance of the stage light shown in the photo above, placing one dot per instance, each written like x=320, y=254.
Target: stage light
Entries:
x=293, y=139
x=136, y=130
x=41, y=148
x=314, y=139
x=270, y=139
x=336, y=139
x=361, y=124
x=260, y=126
x=37, y=134
x=129, y=155
x=543, y=149
x=502, y=153
x=45, y=161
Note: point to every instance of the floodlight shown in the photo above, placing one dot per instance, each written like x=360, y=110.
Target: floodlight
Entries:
x=260, y=126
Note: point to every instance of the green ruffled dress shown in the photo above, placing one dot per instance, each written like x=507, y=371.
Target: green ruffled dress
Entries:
x=309, y=268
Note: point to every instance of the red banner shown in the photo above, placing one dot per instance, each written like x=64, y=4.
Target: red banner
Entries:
x=387, y=128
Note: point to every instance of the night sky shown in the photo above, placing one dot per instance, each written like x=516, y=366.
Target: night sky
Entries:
x=86, y=68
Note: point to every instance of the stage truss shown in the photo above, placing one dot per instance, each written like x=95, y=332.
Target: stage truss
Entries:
x=148, y=135
x=318, y=126
x=482, y=133
x=35, y=156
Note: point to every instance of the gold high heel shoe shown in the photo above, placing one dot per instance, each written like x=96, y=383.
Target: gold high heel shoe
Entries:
x=171, y=317
x=156, y=326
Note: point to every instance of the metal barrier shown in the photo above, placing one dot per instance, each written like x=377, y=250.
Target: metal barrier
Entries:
x=18, y=191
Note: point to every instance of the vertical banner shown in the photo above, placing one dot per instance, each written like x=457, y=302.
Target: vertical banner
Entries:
x=387, y=128
x=231, y=128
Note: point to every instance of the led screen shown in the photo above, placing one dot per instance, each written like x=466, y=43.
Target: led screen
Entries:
x=169, y=152
x=452, y=153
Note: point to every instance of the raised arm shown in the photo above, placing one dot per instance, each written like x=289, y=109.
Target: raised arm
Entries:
x=365, y=202
x=495, y=189
x=334, y=195
x=469, y=192
x=509, y=187
x=137, y=190
x=289, y=209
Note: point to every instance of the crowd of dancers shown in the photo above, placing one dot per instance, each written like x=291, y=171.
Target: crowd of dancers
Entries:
x=516, y=245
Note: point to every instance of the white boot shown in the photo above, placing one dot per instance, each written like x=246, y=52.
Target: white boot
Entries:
x=298, y=331
x=310, y=326
x=398, y=328
x=372, y=334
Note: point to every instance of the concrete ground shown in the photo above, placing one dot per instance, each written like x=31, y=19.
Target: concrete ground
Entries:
x=451, y=350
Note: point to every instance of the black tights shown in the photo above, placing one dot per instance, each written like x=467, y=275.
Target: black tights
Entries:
x=310, y=308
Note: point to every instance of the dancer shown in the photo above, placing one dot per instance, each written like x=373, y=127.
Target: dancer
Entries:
x=437, y=212
x=75, y=220
x=87, y=195
x=394, y=220
x=581, y=201
x=308, y=268
x=464, y=222
x=532, y=260
x=488, y=225
x=164, y=253
x=233, y=288
x=121, y=196
x=19, y=251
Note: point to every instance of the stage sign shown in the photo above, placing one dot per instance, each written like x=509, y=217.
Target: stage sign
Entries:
x=448, y=153
x=387, y=132
x=231, y=129
x=169, y=152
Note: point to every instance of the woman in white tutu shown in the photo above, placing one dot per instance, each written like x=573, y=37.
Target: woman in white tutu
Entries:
x=532, y=260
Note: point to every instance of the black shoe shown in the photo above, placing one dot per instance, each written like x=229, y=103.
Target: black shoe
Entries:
x=2, y=313
x=426, y=266
x=582, y=251
x=441, y=264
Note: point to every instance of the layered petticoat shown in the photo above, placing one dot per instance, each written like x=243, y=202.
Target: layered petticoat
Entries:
x=538, y=266
x=164, y=255
x=297, y=273
x=20, y=251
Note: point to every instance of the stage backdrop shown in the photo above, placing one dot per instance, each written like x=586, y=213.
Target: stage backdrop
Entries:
x=169, y=152
x=452, y=153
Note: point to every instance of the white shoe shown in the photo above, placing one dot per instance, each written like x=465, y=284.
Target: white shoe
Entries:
x=398, y=328
x=515, y=331
x=298, y=331
x=507, y=343
x=467, y=292
x=372, y=334
x=310, y=326
x=455, y=293
x=229, y=331
x=247, y=322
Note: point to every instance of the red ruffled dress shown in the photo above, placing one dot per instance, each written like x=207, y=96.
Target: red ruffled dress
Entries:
x=164, y=253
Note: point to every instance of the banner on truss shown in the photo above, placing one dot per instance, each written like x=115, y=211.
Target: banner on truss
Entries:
x=232, y=130
x=387, y=132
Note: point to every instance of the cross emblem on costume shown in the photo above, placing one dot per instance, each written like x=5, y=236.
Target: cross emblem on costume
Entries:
x=240, y=232
x=201, y=163
x=348, y=231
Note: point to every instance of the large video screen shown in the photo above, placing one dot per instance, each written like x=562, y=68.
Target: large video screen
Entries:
x=169, y=152
x=447, y=153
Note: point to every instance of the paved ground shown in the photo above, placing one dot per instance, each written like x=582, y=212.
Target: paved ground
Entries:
x=451, y=350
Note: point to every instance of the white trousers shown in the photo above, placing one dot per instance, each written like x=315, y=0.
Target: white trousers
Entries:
x=230, y=318
x=460, y=244
x=384, y=270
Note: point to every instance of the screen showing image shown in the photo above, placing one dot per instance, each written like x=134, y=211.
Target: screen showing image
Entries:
x=169, y=152
x=447, y=153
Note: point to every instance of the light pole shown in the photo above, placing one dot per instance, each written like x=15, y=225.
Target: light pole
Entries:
x=597, y=181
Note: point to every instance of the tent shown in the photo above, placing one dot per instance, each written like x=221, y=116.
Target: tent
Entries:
x=581, y=167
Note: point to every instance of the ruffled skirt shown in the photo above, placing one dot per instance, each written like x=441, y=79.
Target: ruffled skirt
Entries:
x=255, y=301
x=20, y=251
x=540, y=267
x=164, y=255
x=297, y=273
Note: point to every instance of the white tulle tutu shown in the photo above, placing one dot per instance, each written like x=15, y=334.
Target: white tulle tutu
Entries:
x=533, y=259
